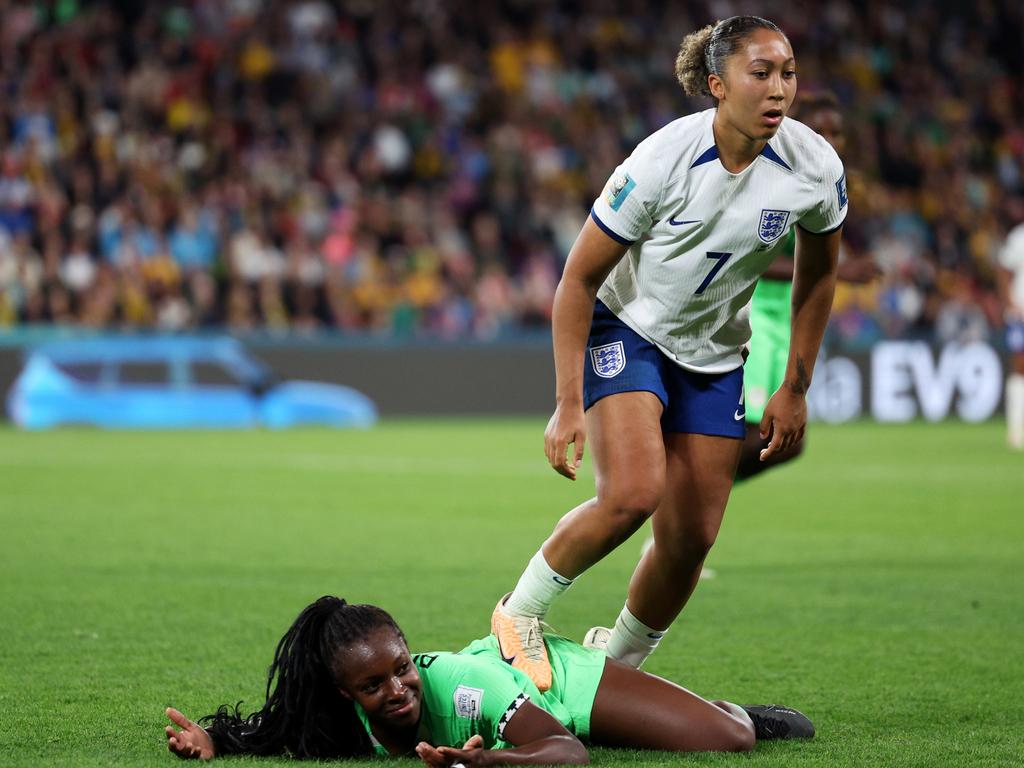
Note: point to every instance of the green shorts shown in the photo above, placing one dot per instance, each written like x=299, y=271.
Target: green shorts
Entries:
x=576, y=675
x=765, y=367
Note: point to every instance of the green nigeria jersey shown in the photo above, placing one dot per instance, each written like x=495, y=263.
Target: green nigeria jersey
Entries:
x=772, y=298
x=474, y=692
x=765, y=367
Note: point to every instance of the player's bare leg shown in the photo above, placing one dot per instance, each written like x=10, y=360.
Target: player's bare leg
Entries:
x=641, y=711
x=750, y=460
x=699, y=476
x=629, y=460
x=628, y=451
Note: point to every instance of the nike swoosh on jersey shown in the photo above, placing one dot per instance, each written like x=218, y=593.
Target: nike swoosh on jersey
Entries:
x=675, y=223
x=739, y=415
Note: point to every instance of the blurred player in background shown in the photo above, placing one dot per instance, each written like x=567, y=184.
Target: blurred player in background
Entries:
x=344, y=684
x=660, y=278
x=1011, y=289
x=765, y=368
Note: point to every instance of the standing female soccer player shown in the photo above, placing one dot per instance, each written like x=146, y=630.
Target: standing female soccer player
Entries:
x=660, y=278
x=343, y=684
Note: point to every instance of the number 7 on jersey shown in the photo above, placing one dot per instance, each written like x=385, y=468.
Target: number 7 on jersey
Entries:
x=720, y=259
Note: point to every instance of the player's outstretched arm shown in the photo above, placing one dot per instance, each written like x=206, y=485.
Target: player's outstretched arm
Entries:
x=539, y=738
x=592, y=257
x=814, y=284
x=192, y=742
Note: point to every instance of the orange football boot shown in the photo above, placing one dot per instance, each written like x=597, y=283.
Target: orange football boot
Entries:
x=521, y=643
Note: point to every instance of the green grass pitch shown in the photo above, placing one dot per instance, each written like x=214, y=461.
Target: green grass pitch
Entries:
x=877, y=584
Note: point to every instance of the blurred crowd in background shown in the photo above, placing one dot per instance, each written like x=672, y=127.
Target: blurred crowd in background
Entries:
x=421, y=167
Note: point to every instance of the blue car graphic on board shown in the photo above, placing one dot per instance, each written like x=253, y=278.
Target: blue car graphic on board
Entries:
x=171, y=383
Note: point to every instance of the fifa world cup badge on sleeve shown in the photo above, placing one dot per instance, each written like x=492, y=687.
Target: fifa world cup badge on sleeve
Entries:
x=618, y=189
x=468, y=702
x=608, y=359
x=773, y=225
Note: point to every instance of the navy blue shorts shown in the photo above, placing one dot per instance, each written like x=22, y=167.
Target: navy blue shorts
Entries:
x=621, y=360
x=1015, y=336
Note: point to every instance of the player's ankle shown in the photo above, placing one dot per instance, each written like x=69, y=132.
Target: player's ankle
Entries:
x=536, y=590
x=632, y=641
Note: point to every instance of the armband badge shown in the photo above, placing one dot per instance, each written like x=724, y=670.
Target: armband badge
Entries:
x=618, y=189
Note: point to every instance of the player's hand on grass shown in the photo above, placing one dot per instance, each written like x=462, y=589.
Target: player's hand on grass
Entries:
x=784, y=420
x=443, y=757
x=567, y=426
x=192, y=742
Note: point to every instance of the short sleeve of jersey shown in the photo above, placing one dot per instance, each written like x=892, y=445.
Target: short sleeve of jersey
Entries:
x=626, y=208
x=1011, y=256
x=502, y=697
x=472, y=695
x=829, y=212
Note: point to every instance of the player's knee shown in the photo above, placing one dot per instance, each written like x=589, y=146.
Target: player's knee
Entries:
x=741, y=737
x=638, y=505
x=689, y=546
x=629, y=506
x=734, y=732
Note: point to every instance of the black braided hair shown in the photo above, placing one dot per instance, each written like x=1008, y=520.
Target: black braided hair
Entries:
x=304, y=714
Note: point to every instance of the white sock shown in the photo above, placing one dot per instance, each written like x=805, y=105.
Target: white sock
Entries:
x=632, y=641
x=537, y=589
x=1015, y=410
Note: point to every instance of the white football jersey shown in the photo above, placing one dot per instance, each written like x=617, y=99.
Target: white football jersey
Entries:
x=1012, y=258
x=700, y=236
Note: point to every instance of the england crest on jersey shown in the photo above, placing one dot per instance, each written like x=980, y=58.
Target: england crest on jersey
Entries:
x=608, y=359
x=773, y=225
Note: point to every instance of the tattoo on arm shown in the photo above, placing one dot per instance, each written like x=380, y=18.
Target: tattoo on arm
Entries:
x=800, y=385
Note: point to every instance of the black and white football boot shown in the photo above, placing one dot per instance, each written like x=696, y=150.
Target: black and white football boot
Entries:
x=772, y=721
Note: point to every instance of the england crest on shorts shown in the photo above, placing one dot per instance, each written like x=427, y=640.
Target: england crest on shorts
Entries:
x=608, y=359
x=773, y=225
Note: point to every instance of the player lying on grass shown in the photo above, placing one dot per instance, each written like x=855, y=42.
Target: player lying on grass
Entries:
x=344, y=684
